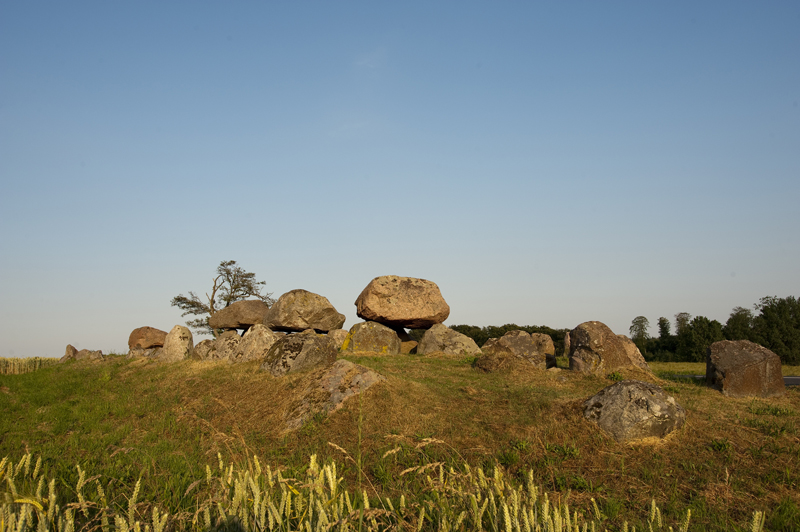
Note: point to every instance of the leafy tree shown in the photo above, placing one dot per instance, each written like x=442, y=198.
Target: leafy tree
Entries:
x=682, y=320
x=639, y=334
x=696, y=337
x=739, y=325
x=663, y=328
x=777, y=327
x=638, y=329
x=231, y=284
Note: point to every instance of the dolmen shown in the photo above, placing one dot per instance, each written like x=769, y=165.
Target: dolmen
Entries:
x=390, y=304
x=72, y=353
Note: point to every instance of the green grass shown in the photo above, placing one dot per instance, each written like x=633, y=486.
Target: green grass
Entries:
x=165, y=423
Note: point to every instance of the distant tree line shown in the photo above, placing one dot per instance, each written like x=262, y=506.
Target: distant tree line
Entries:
x=481, y=334
x=775, y=324
x=776, y=327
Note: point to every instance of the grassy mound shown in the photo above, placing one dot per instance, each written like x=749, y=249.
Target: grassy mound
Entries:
x=164, y=423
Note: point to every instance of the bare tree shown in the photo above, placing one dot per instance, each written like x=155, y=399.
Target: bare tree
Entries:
x=231, y=284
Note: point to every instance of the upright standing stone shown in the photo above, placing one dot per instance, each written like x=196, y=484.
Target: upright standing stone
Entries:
x=338, y=336
x=228, y=346
x=372, y=336
x=69, y=354
x=519, y=345
x=255, y=344
x=595, y=349
x=442, y=338
x=178, y=345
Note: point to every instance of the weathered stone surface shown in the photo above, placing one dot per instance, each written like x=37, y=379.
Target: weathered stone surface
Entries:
x=153, y=352
x=69, y=353
x=338, y=336
x=542, y=343
x=402, y=302
x=327, y=389
x=372, y=336
x=566, y=344
x=742, y=368
x=239, y=315
x=518, y=344
x=205, y=350
x=146, y=337
x=178, y=345
x=83, y=354
x=89, y=354
x=497, y=361
x=299, y=310
x=633, y=353
x=255, y=344
x=296, y=352
x=227, y=347
x=634, y=410
x=442, y=338
x=595, y=349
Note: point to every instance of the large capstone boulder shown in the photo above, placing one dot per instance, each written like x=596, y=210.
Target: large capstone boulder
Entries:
x=325, y=390
x=146, y=338
x=255, y=344
x=516, y=346
x=595, y=349
x=634, y=410
x=372, y=336
x=299, y=310
x=442, y=338
x=742, y=369
x=178, y=345
x=297, y=352
x=239, y=315
x=402, y=302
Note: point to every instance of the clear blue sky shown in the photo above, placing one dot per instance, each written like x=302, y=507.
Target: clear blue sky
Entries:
x=543, y=163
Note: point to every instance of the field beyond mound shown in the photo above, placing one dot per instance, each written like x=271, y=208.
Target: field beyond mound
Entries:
x=125, y=419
